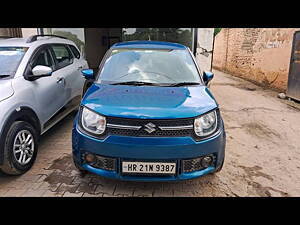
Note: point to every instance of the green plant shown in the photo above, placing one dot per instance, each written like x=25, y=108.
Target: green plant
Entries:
x=216, y=31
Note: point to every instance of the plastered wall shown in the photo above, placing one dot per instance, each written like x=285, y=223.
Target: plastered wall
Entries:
x=261, y=55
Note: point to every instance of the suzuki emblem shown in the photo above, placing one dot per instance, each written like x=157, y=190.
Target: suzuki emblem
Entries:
x=150, y=127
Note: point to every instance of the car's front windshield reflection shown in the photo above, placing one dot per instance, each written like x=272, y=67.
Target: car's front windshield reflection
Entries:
x=149, y=65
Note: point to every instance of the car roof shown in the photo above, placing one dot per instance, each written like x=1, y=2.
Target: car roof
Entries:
x=149, y=44
x=22, y=42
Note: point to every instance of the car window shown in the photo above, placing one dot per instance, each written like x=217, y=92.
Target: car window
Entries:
x=75, y=51
x=149, y=65
x=42, y=58
x=62, y=55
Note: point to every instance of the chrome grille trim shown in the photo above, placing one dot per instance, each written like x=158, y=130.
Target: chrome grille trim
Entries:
x=177, y=128
x=118, y=126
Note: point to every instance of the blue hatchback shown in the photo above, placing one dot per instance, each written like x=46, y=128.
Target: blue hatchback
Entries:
x=148, y=116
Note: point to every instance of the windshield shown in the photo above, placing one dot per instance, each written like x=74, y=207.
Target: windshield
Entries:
x=10, y=58
x=149, y=65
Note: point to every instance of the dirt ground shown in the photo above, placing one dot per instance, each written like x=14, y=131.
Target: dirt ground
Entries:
x=262, y=154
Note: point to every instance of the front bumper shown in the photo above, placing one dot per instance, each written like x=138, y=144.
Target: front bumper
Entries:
x=154, y=149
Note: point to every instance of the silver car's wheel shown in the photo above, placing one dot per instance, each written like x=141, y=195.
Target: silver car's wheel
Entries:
x=23, y=147
x=20, y=148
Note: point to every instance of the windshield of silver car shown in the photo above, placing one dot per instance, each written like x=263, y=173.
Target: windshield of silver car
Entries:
x=10, y=58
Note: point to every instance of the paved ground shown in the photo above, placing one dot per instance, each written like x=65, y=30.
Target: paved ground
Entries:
x=262, y=154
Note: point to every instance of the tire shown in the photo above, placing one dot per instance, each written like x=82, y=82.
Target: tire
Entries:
x=14, y=163
x=220, y=168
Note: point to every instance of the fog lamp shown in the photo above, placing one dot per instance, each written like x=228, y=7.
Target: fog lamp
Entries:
x=207, y=161
x=90, y=158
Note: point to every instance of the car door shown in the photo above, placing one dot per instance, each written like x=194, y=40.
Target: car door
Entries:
x=79, y=63
x=47, y=91
x=68, y=68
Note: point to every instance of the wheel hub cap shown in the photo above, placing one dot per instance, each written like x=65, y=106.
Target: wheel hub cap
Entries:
x=23, y=147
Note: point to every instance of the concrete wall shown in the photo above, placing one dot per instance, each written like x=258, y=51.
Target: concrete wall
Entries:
x=17, y=32
x=10, y=32
x=94, y=46
x=4, y=32
x=27, y=32
x=261, y=55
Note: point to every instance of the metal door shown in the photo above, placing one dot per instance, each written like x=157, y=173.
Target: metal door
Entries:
x=45, y=91
x=293, y=90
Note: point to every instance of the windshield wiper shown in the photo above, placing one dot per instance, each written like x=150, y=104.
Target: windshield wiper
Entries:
x=136, y=83
x=184, y=84
x=141, y=83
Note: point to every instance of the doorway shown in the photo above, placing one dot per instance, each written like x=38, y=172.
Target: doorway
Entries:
x=293, y=90
x=97, y=42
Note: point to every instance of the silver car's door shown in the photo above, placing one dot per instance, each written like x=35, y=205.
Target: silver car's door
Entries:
x=47, y=91
x=68, y=70
x=79, y=63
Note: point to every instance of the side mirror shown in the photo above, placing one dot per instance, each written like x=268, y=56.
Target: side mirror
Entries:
x=207, y=77
x=88, y=74
x=40, y=71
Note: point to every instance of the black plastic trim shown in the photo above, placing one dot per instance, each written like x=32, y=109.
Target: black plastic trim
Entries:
x=34, y=37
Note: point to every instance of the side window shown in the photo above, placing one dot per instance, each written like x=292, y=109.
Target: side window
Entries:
x=62, y=55
x=75, y=51
x=42, y=58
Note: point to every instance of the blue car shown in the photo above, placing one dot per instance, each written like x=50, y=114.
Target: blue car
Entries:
x=148, y=116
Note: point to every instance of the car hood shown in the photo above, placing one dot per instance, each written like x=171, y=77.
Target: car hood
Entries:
x=6, y=89
x=149, y=102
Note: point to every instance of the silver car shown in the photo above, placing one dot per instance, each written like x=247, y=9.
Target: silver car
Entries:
x=40, y=83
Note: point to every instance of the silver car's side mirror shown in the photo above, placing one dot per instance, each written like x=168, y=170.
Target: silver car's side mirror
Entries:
x=41, y=71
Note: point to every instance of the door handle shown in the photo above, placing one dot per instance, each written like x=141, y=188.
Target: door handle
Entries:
x=60, y=79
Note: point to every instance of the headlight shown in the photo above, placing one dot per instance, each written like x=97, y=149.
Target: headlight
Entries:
x=206, y=124
x=92, y=122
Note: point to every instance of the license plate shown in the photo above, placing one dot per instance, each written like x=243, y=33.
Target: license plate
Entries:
x=149, y=167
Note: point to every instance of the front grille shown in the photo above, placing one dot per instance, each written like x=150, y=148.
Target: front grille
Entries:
x=142, y=131
x=157, y=122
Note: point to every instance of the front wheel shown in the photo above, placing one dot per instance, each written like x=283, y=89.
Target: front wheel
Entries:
x=220, y=168
x=20, y=148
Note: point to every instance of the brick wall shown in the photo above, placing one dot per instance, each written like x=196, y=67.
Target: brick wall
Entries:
x=261, y=55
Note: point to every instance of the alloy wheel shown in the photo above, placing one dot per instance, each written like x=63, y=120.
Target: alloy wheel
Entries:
x=23, y=147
